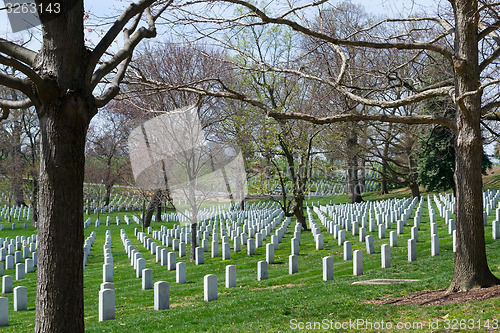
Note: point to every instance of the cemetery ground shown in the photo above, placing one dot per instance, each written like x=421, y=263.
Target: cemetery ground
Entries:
x=283, y=302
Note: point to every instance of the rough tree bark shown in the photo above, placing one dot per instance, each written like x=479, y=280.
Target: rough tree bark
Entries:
x=352, y=167
x=65, y=108
x=152, y=207
x=471, y=267
x=63, y=124
x=34, y=198
x=383, y=183
x=59, y=82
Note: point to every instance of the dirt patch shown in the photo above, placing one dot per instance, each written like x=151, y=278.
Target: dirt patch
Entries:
x=492, y=171
x=384, y=281
x=440, y=297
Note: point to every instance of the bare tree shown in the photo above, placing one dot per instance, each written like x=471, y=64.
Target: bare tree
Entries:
x=107, y=154
x=466, y=39
x=60, y=81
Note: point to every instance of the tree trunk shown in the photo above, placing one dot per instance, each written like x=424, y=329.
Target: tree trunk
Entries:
x=194, y=240
x=354, y=188
x=471, y=267
x=352, y=168
x=362, y=180
x=107, y=196
x=152, y=207
x=59, y=301
x=158, y=212
x=34, y=198
x=415, y=191
x=298, y=211
x=18, y=191
x=383, y=184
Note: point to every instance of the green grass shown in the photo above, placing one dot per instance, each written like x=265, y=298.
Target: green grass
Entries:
x=275, y=304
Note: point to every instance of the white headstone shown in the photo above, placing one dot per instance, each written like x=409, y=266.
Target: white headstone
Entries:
x=327, y=268
x=230, y=276
x=370, y=245
x=319, y=242
x=182, y=249
x=433, y=228
x=385, y=250
x=341, y=237
x=261, y=270
x=199, y=256
x=4, y=311
x=6, y=284
x=274, y=241
x=250, y=246
x=147, y=279
x=107, y=273
x=237, y=244
x=270, y=253
x=9, y=262
x=20, y=298
x=347, y=250
x=171, y=261
x=164, y=257
x=414, y=233
x=180, y=272
x=226, y=251
x=381, y=231
x=210, y=287
x=215, y=249
x=434, y=245
x=295, y=246
x=412, y=250
x=19, y=271
x=106, y=304
x=140, y=266
x=400, y=227
x=161, y=295
x=393, y=239
x=358, y=262
x=293, y=264
x=451, y=226
x=107, y=285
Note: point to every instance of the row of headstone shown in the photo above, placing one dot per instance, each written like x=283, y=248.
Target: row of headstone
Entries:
x=20, y=301
x=87, y=245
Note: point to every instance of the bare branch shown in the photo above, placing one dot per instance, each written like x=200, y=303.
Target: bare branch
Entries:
x=487, y=61
x=480, y=90
x=487, y=30
x=21, y=67
x=17, y=52
x=307, y=5
x=129, y=46
x=442, y=91
x=10, y=104
x=112, y=91
x=15, y=83
x=374, y=45
x=420, y=119
x=491, y=115
x=131, y=11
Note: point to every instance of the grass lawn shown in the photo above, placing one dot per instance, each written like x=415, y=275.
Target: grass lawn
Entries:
x=283, y=302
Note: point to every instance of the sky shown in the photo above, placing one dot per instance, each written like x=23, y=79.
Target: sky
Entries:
x=106, y=8
x=102, y=8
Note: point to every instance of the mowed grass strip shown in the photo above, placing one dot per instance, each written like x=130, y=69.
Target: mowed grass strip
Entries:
x=283, y=302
